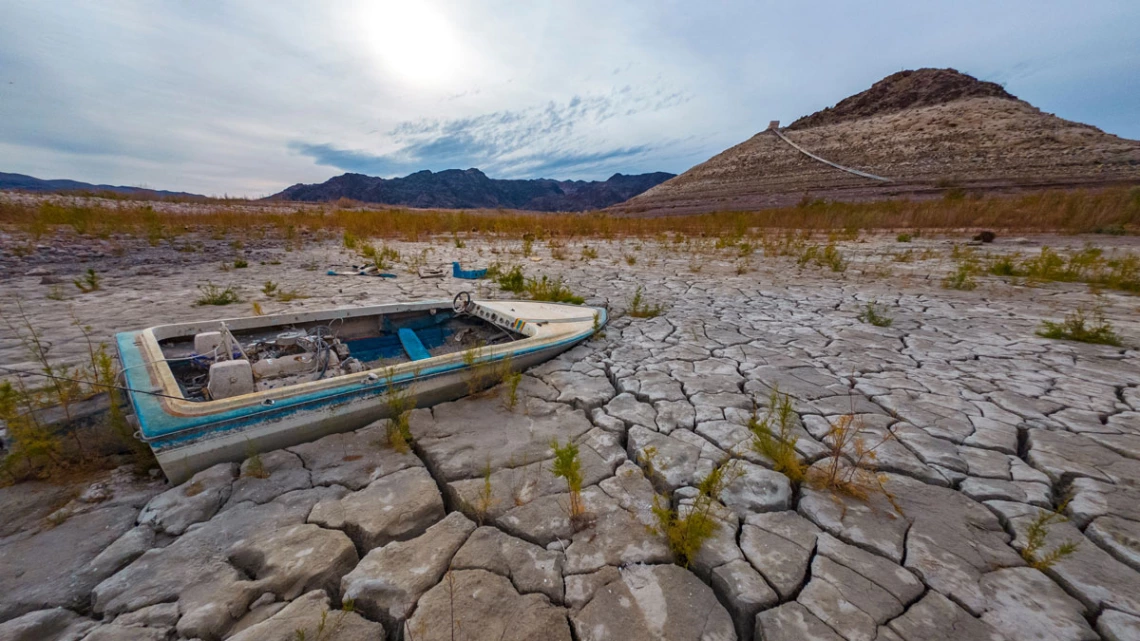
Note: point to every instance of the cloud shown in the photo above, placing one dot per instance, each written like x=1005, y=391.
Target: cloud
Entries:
x=540, y=141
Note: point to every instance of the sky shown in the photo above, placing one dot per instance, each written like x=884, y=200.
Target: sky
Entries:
x=243, y=98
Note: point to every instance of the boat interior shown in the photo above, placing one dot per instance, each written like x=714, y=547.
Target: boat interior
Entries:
x=223, y=362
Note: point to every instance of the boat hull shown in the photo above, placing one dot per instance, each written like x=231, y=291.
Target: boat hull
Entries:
x=185, y=443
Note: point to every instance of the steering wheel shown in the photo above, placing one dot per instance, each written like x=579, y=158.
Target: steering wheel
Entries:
x=462, y=302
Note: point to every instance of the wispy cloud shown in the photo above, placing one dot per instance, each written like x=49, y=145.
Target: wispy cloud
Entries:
x=530, y=142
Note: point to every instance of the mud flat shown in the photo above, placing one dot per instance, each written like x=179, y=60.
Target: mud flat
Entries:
x=990, y=424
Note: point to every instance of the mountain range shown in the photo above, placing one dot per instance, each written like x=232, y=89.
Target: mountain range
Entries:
x=925, y=131
x=29, y=183
x=471, y=188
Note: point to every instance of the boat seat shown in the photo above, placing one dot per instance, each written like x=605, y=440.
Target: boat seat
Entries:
x=412, y=344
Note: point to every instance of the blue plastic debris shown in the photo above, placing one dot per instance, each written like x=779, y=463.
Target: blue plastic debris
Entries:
x=469, y=274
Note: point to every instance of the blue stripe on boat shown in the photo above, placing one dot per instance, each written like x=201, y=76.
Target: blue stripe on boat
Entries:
x=412, y=345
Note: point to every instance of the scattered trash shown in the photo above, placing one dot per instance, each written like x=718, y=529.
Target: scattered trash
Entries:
x=363, y=270
x=431, y=272
x=469, y=274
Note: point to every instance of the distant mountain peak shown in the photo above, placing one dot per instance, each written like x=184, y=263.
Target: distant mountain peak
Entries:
x=471, y=188
x=905, y=90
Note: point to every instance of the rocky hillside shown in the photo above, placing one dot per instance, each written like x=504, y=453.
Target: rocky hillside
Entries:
x=471, y=188
x=927, y=131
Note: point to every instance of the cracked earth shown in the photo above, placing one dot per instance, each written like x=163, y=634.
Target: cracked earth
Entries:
x=988, y=426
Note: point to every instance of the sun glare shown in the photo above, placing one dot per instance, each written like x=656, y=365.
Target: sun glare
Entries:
x=413, y=41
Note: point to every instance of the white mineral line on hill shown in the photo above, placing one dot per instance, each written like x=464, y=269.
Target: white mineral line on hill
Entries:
x=825, y=161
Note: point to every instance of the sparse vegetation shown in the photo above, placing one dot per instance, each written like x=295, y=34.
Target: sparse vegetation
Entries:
x=872, y=315
x=215, y=295
x=37, y=449
x=89, y=282
x=828, y=256
x=1120, y=270
x=254, y=467
x=326, y=631
x=686, y=528
x=1077, y=326
x=512, y=281
x=589, y=253
x=962, y=278
x=903, y=237
x=241, y=264
x=849, y=467
x=639, y=308
x=511, y=380
x=554, y=291
x=1035, y=537
x=1070, y=211
x=399, y=403
x=773, y=436
x=567, y=466
x=485, y=500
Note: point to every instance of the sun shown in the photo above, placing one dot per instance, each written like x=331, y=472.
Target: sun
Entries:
x=413, y=41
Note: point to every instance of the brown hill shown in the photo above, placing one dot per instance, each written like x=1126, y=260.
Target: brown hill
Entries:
x=926, y=131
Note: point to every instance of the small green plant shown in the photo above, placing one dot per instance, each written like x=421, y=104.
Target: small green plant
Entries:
x=512, y=380
x=528, y=246
x=1035, y=537
x=512, y=281
x=1078, y=327
x=849, y=465
x=241, y=263
x=56, y=293
x=638, y=308
x=554, y=291
x=325, y=631
x=686, y=528
x=962, y=278
x=459, y=242
x=903, y=237
x=598, y=333
x=1004, y=265
x=485, y=500
x=400, y=403
x=871, y=314
x=269, y=288
x=567, y=466
x=349, y=240
x=630, y=259
x=774, y=438
x=589, y=253
x=254, y=467
x=90, y=281
x=214, y=295
x=828, y=256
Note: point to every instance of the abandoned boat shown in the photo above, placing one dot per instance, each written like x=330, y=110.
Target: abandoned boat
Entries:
x=215, y=391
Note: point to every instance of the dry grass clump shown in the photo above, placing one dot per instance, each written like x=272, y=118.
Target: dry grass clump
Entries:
x=1077, y=326
x=639, y=308
x=51, y=450
x=1120, y=270
x=773, y=436
x=687, y=527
